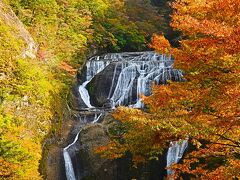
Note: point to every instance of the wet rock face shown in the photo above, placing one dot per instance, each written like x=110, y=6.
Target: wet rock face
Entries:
x=100, y=86
x=75, y=100
x=93, y=166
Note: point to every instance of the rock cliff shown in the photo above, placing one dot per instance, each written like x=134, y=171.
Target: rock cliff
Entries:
x=9, y=18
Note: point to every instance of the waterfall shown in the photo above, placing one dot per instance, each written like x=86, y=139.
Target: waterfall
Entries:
x=175, y=153
x=68, y=162
x=145, y=68
x=132, y=75
x=145, y=73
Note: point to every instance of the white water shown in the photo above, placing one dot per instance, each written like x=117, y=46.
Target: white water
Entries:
x=124, y=85
x=175, y=153
x=96, y=118
x=68, y=162
x=84, y=94
x=144, y=74
x=93, y=67
x=67, y=158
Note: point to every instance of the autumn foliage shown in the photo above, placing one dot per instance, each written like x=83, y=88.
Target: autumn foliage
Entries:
x=68, y=68
x=206, y=107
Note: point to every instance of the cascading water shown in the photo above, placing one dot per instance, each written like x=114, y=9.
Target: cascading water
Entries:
x=70, y=174
x=175, y=153
x=132, y=76
x=68, y=162
x=93, y=67
x=84, y=94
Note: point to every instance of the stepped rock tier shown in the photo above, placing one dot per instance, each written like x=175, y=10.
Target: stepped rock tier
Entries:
x=105, y=82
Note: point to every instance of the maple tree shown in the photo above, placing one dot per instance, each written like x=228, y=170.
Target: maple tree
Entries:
x=205, y=107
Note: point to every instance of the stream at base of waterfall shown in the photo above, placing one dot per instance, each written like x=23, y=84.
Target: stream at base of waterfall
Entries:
x=132, y=76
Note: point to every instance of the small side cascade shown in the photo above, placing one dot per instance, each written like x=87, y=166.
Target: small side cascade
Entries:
x=69, y=170
x=175, y=153
x=68, y=162
x=141, y=88
x=93, y=67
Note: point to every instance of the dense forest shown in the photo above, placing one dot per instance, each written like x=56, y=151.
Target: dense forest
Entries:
x=44, y=42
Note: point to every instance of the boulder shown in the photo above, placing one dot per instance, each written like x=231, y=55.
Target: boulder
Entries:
x=75, y=100
x=100, y=85
x=103, y=84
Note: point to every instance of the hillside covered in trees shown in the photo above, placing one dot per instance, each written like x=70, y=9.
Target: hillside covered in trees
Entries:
x=44, y=42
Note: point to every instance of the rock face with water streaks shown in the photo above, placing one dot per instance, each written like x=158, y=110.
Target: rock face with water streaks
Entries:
x=120, y=79
x=100, y=85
